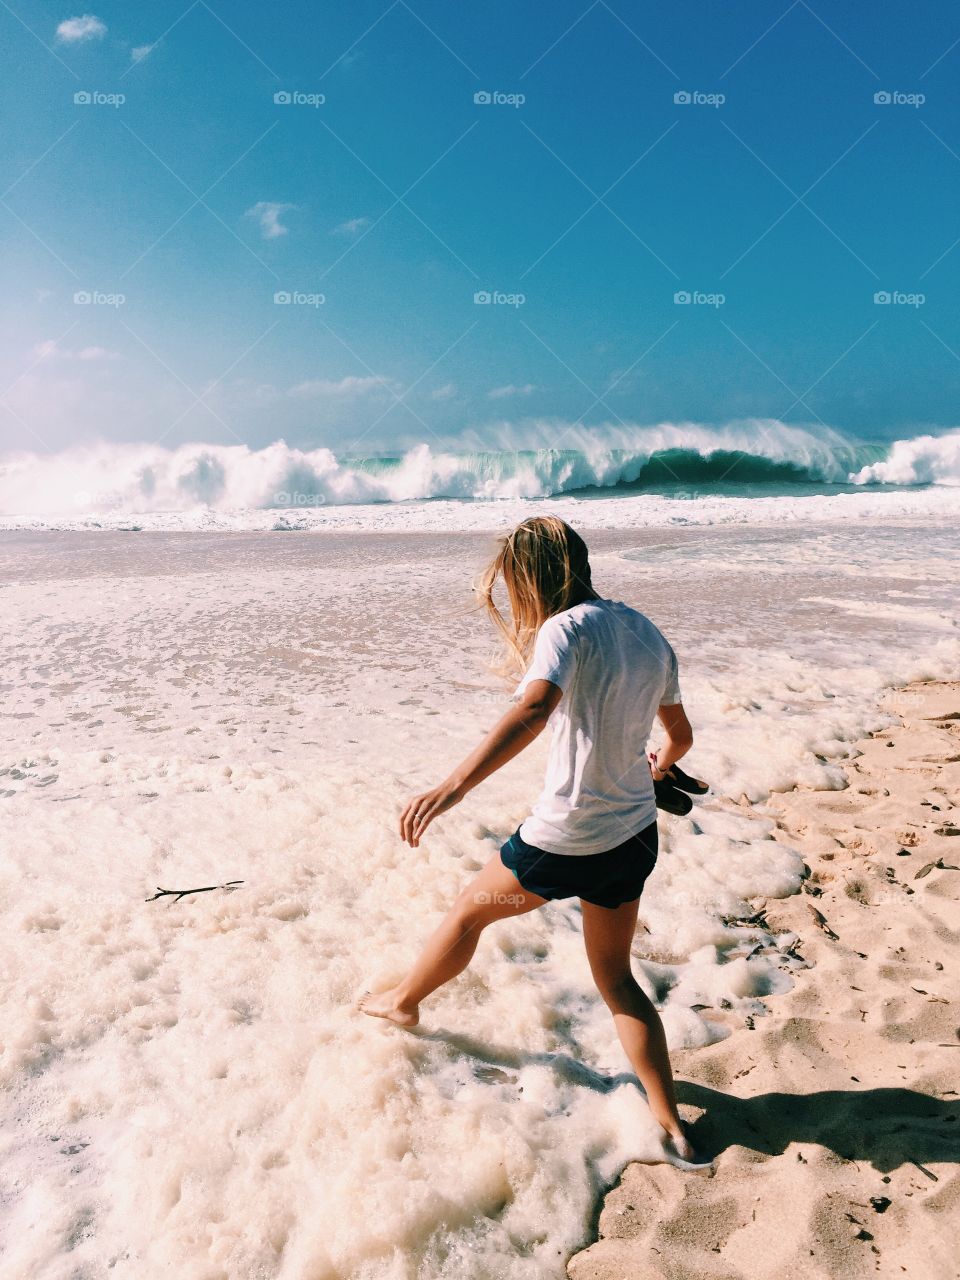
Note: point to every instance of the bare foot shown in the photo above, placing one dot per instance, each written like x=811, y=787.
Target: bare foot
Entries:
x=678, y=1144
x=384, y=1005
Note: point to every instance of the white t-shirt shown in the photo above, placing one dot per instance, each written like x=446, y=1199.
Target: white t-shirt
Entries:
x=615, y=669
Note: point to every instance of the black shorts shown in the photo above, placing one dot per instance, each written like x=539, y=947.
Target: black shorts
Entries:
x=606, y=879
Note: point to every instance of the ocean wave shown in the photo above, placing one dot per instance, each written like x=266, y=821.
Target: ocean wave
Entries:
x=143, y=479
x=924, y=460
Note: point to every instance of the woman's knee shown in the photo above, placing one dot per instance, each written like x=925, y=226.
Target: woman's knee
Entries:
x=617, y=986
x=471, y=910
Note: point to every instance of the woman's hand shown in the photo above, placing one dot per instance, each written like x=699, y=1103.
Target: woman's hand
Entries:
x=421, y=811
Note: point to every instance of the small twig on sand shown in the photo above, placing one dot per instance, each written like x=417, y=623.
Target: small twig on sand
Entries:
x=185, y=893
x=821, y=922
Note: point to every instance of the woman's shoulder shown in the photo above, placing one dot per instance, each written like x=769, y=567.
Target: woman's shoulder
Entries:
x=624, y=615
x=576, y=617
x=591, y=615
x=602, y=609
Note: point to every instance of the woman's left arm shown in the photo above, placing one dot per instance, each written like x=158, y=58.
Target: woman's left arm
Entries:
x=508, y=737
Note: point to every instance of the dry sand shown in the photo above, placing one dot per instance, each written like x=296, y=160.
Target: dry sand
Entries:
x=836, y=1119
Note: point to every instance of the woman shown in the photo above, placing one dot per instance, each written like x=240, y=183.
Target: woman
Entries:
x=600, y=672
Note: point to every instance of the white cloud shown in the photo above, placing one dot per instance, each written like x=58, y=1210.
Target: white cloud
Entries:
x=141, y=51
x=445, y=392
x=268, y=213
x=73, y=30
x=348, y=386
x=95, y=353
x=501, y=393
x=50, y=349
x=352, y=227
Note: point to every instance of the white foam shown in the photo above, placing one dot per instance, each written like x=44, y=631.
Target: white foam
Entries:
x=189, y=1089
x=924, y=460
x=614, y=512
x=222, y=486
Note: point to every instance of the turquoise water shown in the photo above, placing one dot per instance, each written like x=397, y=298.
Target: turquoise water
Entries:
x=672, y=473
x=685, y=461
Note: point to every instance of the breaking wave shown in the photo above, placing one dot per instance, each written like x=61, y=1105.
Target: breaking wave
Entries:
x=144, y=478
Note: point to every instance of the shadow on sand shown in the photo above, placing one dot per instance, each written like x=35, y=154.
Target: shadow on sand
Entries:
x=492, y=1063
x=887, y=1127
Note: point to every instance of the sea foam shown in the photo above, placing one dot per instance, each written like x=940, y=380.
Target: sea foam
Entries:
x=143, y=479
x=190, y=1089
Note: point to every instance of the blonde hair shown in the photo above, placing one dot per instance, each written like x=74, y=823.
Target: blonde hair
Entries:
x=545, y=569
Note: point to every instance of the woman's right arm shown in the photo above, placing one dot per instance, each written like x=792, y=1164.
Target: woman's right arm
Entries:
x=679, y=737
x=515, y=730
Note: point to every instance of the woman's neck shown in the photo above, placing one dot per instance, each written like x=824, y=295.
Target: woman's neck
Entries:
x=588, y=594
x=581, y=598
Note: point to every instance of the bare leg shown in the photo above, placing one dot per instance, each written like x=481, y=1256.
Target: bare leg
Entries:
x=608, y=934
x=493, y=895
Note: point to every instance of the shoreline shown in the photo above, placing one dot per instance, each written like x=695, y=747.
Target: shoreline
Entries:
x=609, y=510
x=834, y=1118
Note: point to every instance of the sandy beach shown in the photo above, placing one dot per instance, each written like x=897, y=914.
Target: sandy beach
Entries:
x=835, y=1119
x=187, y=1086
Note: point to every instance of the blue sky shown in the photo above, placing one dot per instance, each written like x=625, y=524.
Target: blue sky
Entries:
x=783, y=188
